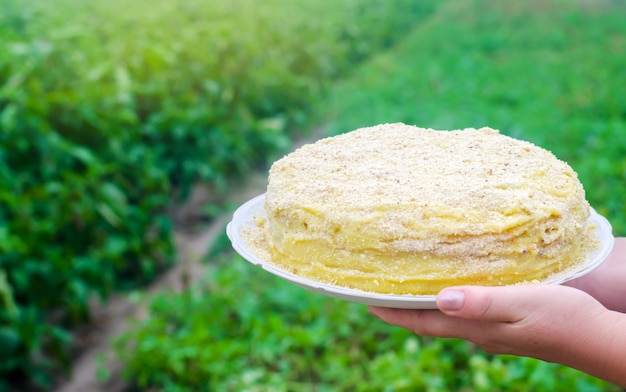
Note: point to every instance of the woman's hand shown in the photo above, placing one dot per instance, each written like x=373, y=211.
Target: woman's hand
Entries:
x=608, y=283
x=553, y=323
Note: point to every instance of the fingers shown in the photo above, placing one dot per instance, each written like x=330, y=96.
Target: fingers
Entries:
x=521, y=320
x=500, y=304
x=464, y=308
x=422, y=322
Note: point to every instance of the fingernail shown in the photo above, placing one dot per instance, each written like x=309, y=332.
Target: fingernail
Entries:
x=451, y=300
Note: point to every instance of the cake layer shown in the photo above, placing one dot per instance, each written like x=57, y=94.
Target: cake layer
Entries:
x=415, y=273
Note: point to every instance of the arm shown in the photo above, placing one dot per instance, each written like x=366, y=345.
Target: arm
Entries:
x=553, y=323
x=608, y=283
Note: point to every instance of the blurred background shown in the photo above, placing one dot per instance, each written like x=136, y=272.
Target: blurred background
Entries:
x=115, y=115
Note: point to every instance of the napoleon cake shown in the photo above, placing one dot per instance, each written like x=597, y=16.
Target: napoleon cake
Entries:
x=398, y=209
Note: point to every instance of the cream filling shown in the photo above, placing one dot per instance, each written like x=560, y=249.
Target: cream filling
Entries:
x=351, y=256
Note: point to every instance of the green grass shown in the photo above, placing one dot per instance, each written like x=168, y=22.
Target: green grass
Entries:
x=548, y=72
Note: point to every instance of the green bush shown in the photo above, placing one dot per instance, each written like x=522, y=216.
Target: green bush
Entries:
x=109, y=110
x=210, y=88
x=71, y=226
x=244, y=330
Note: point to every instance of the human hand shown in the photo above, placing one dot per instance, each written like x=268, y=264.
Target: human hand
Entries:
x=607, y=283
x=553, y=323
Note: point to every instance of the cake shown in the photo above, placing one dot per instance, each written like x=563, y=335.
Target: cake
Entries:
x=398, y=209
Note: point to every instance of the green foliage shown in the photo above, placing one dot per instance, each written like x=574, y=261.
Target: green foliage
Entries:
x=244, y=329
x=210, y=88
x=551, y=72
x=110, y=109
x=71, y=226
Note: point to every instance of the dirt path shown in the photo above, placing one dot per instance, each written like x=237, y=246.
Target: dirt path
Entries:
x=110, y=320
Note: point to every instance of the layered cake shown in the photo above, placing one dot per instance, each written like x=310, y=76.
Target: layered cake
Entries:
x=398, y=209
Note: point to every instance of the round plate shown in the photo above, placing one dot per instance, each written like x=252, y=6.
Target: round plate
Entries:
x=244, y=217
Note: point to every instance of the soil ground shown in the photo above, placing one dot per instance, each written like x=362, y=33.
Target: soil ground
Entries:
x=110, y=320
x=96, y=368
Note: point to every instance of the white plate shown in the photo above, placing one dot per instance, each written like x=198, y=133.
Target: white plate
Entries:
x=244, y=217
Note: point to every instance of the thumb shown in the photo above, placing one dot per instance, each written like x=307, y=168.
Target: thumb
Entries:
x=485, y=303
